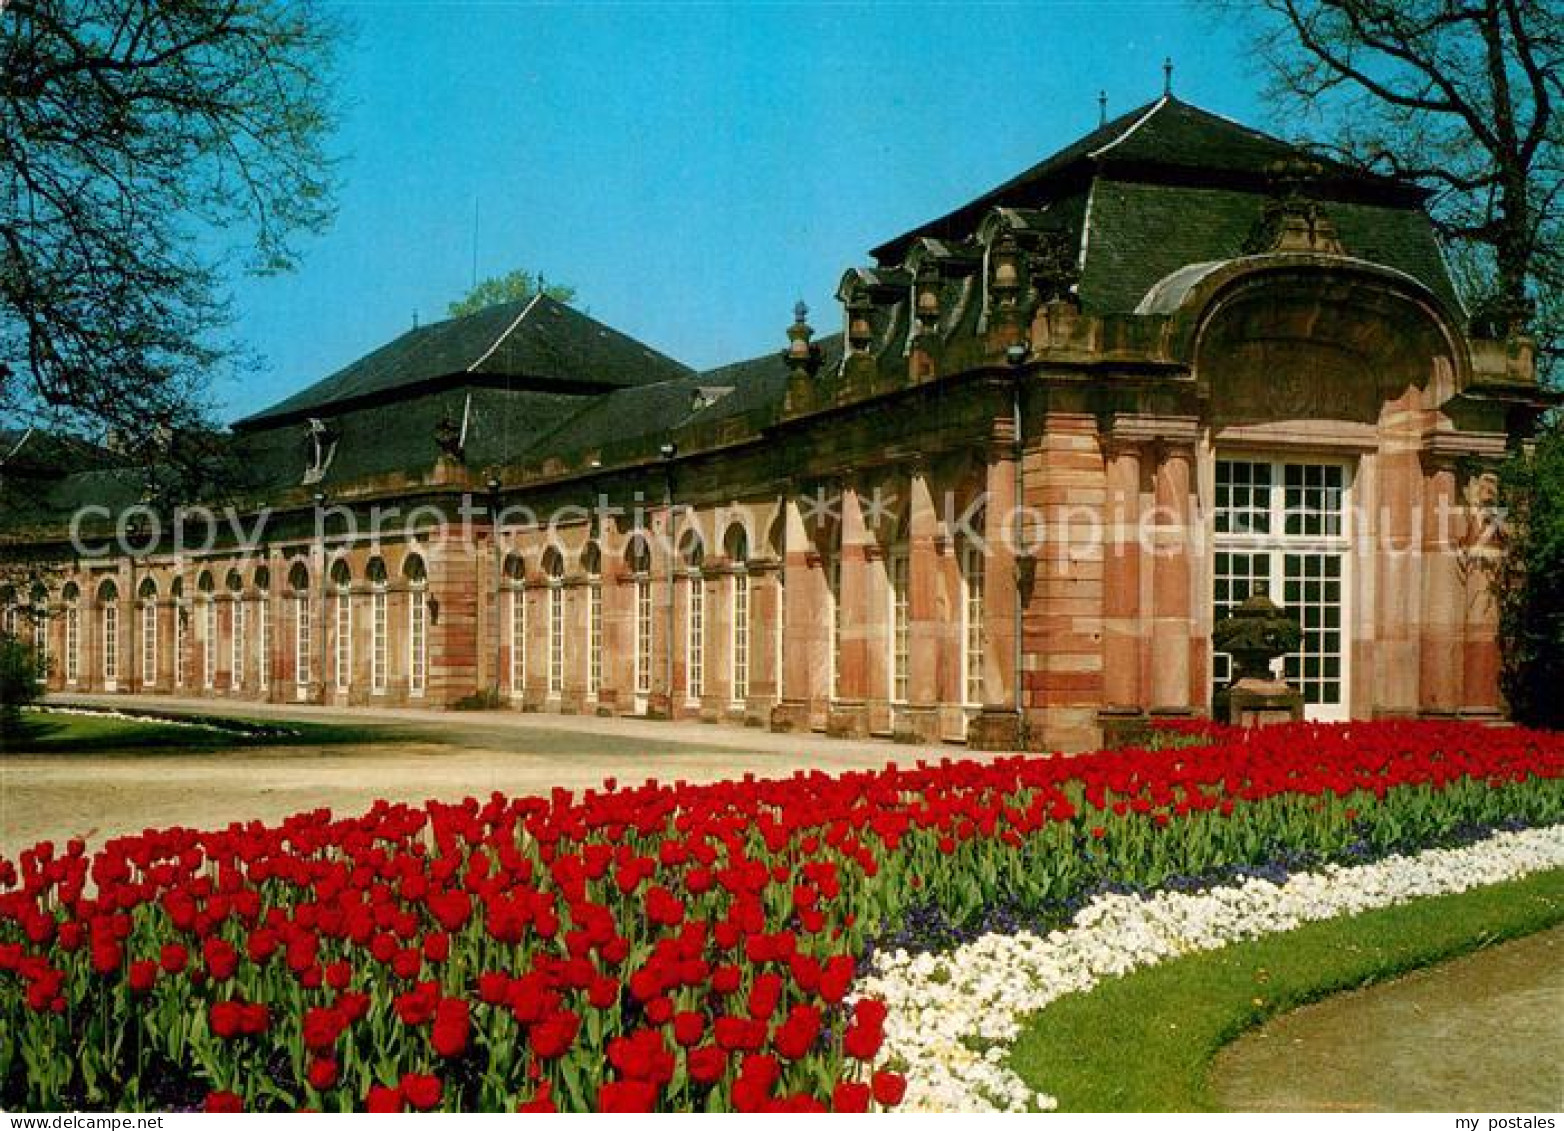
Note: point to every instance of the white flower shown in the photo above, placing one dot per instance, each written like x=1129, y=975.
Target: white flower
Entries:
x=954, y=1016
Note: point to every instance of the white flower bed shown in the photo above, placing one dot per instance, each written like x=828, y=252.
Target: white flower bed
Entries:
x=954, y=1016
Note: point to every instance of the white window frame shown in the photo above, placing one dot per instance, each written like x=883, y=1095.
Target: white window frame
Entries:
x=264, y=610
x=236, y=639
x=694, y=638
x=418, y=639
x=181, y=641
x=344, y=628
x=1276, y=544
x=379, y=643
x=517, y=626
x=209, y=649
x=739, y=634
x=643, y=634
x=898, y=576
x=73, y=642
x=974, y=577
x=301, y=643
x=594, y=673
x=149, y=641
x=556, y=637
x=111, y=644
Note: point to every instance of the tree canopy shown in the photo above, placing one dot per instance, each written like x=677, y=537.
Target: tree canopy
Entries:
x=146, y=149
x=518, y=284
x=1461, y=96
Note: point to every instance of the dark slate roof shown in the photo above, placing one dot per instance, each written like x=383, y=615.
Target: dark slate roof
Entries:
x=537, y=340
x=624, y=424
x=1140, y=233
x=1167, y=140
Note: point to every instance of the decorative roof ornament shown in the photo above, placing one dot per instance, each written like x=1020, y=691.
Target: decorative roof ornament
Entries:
x=803, y=357
x=448, y=438
x=1293, y=220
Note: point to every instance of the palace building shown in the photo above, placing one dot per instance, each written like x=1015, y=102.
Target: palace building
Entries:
x=1061, y=431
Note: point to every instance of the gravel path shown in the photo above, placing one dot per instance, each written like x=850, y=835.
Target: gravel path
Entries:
x=1484, y=1033
x=436, y=754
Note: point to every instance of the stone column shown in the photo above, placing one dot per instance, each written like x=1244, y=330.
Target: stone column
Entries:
x=1441, y=685
x=804, y=663
x=925, y=632
x=998, y=726
x=849, y=710
x=1122, y=633
x=1171, y=600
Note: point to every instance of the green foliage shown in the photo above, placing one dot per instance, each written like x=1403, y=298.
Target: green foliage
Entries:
x=19, y=672
x=1529, y=586
x=519, y=284
x=1177, y=1015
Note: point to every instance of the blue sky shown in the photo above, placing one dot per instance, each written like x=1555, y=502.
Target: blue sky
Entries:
x=693, y=169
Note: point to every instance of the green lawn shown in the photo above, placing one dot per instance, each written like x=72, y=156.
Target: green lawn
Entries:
x=1145, y=1042
x=47, y=732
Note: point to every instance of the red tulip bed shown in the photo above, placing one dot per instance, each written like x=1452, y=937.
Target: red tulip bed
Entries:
x=666, y=946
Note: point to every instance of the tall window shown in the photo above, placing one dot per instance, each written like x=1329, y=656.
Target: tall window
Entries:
x=342, y=625
x=108, y=598
x=516, y=622
x=299, y=579
x=738, y=557
x=208, y=633
x=379, y=646
x=10, y=614
x=972, y=633
x=418, y=625
x=1282, y=527
x=236, y=640
x=641, y=570
x=263, y=600
x=72, y=597
x=40, y=611
x=592, y=562
x=148, y=633
x=897, y=571
x=694, y=622
x=554, y=567
x=181, y=630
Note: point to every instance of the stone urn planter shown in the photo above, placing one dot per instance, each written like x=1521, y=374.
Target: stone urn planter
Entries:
x=1255, y=634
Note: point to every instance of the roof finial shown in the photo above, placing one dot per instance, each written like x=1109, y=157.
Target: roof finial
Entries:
x=1102, y=107
x=800, y=312
x=415, y=319
x=1167, y=77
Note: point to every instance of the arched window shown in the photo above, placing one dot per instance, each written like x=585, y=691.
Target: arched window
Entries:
x=208, y=630
x=236, y=641
x=148, y=598
x=972, y=631
x=176, y=593
x=638, y=558
x=379, y=647
x=39, y=602
x=516, y=622
x=299, y=583
x=342, y=598
x=592, y=565
x=554, y=570
x=72, y=598
x=263, y=600
x=694, y=559
x=737, y=548
x=418, y=624
x=108, y=602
